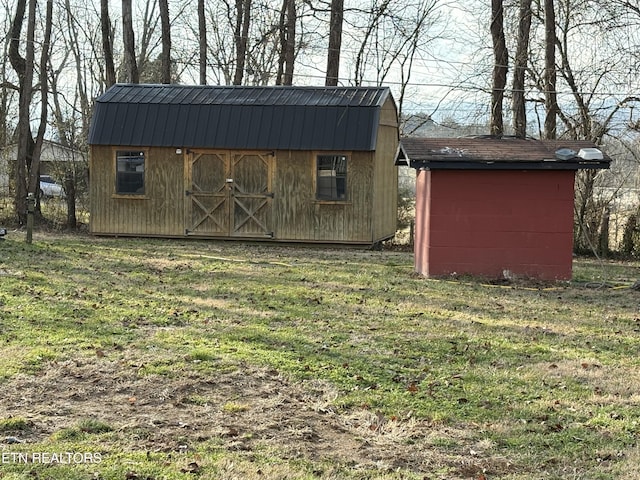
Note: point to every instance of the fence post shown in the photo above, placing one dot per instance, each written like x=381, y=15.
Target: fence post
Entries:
x=412, y=227
x=31, y=206
x=603, y=241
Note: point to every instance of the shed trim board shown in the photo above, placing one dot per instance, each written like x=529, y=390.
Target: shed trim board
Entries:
x=494, y=208
x=242, y=163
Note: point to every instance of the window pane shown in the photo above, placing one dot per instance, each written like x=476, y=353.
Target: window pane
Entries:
x=130, y=173
x=332, y=177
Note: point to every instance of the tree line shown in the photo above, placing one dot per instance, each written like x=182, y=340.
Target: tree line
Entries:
x=546, y=68
x=575, y=62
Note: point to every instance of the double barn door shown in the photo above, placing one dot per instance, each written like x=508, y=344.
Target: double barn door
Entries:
x=228, y=194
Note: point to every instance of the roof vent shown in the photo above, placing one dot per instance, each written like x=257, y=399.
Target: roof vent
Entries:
x=565, y=154
x=590, y=154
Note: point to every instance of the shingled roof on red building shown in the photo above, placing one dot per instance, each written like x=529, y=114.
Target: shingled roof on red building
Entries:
x=504, y=153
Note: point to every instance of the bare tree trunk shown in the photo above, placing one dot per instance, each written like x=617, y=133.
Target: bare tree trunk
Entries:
x=70, y=190
x=165, y=67
x=67, y=136
x=290, y=55
x=500, y=67
x=4, y=100
x=243, y=21
x=202, y=30
x=520, y=68
x=585, y=233
x=128, y=37
x=107, y=45
x=603, y=237
x=34, y=172
x=144, y=42
x=18, y=63
x=287, y=32
x=335, y=42
x=76, y=49
x=24, y=69
x=282, y=40
x=551, y=101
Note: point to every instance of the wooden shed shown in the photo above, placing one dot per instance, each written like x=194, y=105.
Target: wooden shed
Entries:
x=292, y=164
x=496, y=207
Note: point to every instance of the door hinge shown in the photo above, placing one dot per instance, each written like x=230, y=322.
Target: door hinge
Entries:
x=187, y=193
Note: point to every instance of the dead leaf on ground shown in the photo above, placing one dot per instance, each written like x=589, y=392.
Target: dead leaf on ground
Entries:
x=193, y=467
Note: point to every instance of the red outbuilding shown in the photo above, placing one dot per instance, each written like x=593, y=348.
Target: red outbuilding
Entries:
x=496, y=207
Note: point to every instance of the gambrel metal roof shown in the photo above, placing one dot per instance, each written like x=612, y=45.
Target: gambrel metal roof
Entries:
x=239, y=117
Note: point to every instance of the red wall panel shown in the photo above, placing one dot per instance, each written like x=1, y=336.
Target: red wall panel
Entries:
x=484, y=222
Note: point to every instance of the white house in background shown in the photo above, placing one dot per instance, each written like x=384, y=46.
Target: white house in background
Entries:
x=54, y=160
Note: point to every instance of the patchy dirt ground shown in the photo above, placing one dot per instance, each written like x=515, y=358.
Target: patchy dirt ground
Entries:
x=242, y=410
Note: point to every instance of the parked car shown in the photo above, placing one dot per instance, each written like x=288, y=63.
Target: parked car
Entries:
x=49, y=188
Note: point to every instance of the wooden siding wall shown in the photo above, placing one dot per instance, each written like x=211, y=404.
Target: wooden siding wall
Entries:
x=293, y=196
x=298, y=216
x=160, y=211
x=385, y=200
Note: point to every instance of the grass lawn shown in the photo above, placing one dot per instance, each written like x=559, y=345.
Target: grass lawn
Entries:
x=156, y=359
